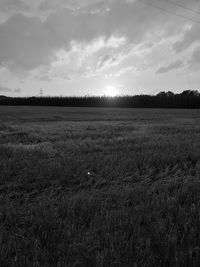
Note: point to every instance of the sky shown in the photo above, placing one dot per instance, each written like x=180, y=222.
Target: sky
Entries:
x=97, y=47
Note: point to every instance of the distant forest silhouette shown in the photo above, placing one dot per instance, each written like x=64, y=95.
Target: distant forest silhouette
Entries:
x=186, y=99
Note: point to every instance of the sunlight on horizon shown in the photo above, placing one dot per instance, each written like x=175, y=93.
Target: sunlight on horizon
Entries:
x=111, y=91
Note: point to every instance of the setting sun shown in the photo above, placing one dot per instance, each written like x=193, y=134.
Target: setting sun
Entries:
x=111, y=91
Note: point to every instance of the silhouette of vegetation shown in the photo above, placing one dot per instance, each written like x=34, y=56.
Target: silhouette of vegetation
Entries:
x=186, y=99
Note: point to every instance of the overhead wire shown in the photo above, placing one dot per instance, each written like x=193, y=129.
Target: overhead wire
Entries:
x=184, y=7
x=169, y=11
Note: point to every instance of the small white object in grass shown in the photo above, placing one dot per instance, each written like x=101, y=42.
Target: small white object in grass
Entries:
x=89, y=173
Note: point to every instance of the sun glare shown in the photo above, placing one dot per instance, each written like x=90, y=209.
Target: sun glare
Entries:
x=111, y=91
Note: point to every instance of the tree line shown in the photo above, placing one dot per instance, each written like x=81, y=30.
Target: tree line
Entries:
x=186, y=99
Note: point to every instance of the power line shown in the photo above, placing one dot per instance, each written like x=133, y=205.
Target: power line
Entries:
x=168, y=11
x=184, y=7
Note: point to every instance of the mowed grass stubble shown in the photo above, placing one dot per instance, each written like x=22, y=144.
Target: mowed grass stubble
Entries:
x=99, y=187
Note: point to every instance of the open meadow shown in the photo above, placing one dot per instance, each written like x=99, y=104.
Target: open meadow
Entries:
x=99, y=187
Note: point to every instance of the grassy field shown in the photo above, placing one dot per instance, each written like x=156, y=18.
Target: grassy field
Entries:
x=99, y=187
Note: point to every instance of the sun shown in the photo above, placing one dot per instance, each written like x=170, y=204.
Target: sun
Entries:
x=111, y=91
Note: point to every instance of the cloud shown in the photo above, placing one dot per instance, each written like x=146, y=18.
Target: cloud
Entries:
x=191, y=35
x=27, y=42
x=107, y=60
x=196, y=55
x=24, y=43
x=193, y=63
x=89, y=59
x=91, y=6
x=13, y=5
x=121, y=71
x=172, y=66
x=5, y=89
x=42, y=8
x=17, y=90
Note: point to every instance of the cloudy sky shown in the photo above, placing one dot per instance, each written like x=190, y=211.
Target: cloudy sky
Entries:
x=93, y=47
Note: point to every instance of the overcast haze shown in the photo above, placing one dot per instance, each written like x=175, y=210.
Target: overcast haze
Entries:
x=85, y=47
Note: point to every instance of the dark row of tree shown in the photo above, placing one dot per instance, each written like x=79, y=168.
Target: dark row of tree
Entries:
x=186, y=99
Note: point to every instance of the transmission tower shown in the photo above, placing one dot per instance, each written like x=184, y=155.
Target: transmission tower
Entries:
x=41, y=92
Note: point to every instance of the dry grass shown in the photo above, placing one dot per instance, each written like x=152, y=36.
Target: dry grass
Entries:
x=99, y=187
